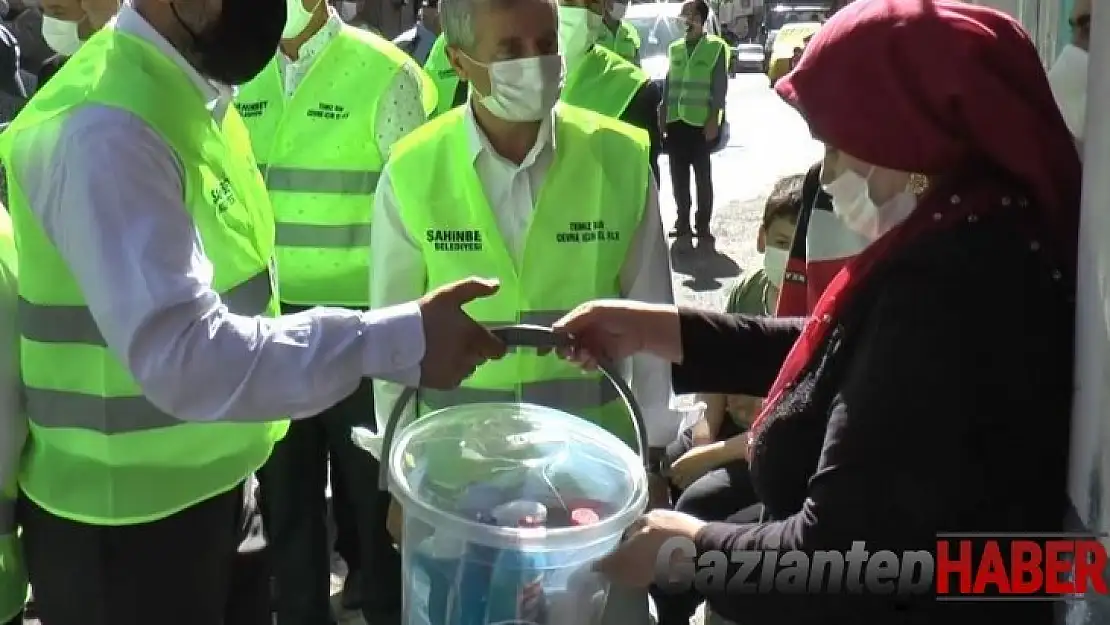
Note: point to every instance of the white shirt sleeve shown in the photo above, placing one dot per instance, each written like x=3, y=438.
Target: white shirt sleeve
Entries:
x=108, y=193
x=398, y=274
x=13, y=421
x=646, y=277
x=401, y=109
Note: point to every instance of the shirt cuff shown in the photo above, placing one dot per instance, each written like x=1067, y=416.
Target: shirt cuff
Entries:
x=662, y=425
x=394, y=344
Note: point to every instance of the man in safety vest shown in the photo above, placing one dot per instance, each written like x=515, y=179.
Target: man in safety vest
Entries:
x=600, y=80
x=322, y=117
x=13, y=433
x=526, y=191
x=692, y=112
x=155, y=366
x=450, y=90
x=617, y=34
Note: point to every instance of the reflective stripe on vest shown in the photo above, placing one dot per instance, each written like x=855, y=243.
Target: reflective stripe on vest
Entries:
x=98, y=451
x=689, y=81
x=603, y=82
x=321, y=165
x=587, y=215
x=51, y=408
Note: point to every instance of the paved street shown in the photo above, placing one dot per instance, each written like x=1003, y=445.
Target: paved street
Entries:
x=768, y=140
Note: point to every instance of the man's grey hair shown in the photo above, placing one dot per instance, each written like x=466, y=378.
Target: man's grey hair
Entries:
x=456, y=19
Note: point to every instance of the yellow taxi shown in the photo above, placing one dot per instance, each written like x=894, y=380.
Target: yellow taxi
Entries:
x=789, y=38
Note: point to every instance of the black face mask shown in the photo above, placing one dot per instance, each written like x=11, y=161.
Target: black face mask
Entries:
x=236, y=47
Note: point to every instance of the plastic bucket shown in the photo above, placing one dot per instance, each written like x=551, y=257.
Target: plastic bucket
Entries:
x=454, y=469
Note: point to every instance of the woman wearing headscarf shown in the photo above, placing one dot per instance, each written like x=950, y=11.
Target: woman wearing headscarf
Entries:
x=929, y=392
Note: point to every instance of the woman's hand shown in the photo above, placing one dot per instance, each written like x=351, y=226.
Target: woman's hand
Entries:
x=696, y=463
x=612, y=330
x=635, y=562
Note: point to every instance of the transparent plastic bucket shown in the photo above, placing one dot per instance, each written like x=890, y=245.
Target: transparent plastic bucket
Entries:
x=452, y=469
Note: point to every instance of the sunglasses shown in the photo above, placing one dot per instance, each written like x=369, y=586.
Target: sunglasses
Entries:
x=1083, y=22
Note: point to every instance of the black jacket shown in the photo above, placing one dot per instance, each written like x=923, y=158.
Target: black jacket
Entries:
x=940, y=403
x=643, y=112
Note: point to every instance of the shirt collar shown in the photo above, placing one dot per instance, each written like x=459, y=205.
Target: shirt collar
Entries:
x=129, y=21
x=315, y=44
x=479, y=143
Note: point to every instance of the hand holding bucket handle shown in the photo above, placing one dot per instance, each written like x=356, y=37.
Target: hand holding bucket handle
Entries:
x=537, y=337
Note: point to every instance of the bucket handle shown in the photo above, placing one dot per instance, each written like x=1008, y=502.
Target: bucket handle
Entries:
x=538, y=337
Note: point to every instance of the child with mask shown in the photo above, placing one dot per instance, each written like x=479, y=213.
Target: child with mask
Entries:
x=704, y=457
x=708, y=462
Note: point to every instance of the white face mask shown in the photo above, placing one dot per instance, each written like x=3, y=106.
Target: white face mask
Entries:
x=774, y=264
x=1068, y=79
x=852, y=203
x=348, y=10
x=60, y=35
x=296, y=18
x=578, y=30
x=617, y=12
x=523, y=90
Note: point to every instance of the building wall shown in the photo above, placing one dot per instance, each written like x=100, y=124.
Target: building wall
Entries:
x=1046, y=21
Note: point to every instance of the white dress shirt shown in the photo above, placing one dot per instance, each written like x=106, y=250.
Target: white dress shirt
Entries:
x=400, y=273
x=400, y=110
x=108, y=192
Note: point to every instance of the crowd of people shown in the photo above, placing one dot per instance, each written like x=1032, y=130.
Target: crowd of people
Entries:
x=235, y=231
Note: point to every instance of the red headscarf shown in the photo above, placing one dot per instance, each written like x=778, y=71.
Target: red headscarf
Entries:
x=941, y=88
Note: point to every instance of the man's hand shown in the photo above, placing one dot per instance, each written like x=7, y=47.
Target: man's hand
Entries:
x=455, y=344
x=712, y=128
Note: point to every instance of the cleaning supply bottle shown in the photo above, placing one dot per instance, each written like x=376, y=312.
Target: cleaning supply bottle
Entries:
x=516, y=592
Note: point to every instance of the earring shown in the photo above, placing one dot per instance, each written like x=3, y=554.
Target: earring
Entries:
x=917, y=184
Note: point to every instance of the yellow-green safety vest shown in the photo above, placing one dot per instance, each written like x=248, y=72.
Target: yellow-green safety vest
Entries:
x=98, y=451
x=690, y=78
x=443, y=75
x=583, y=223
x=13, y=573
x=603, y=82
x=320, y=160
x=625, y=41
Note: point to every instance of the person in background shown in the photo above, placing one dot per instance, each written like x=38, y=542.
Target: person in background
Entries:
x=708, y=463
x=599, y=80
x=66, y=24
x=13, y=433
x=155, y=364
x=451, y=90
x=1068, y=76
x=796, y=56
x=417, y=41
x=13, y=93
x=618, y=35
x=485, y=214
x=25, y=23
x=967, y=290
x=323, y=116
x=822, y=245
x=692, y=112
